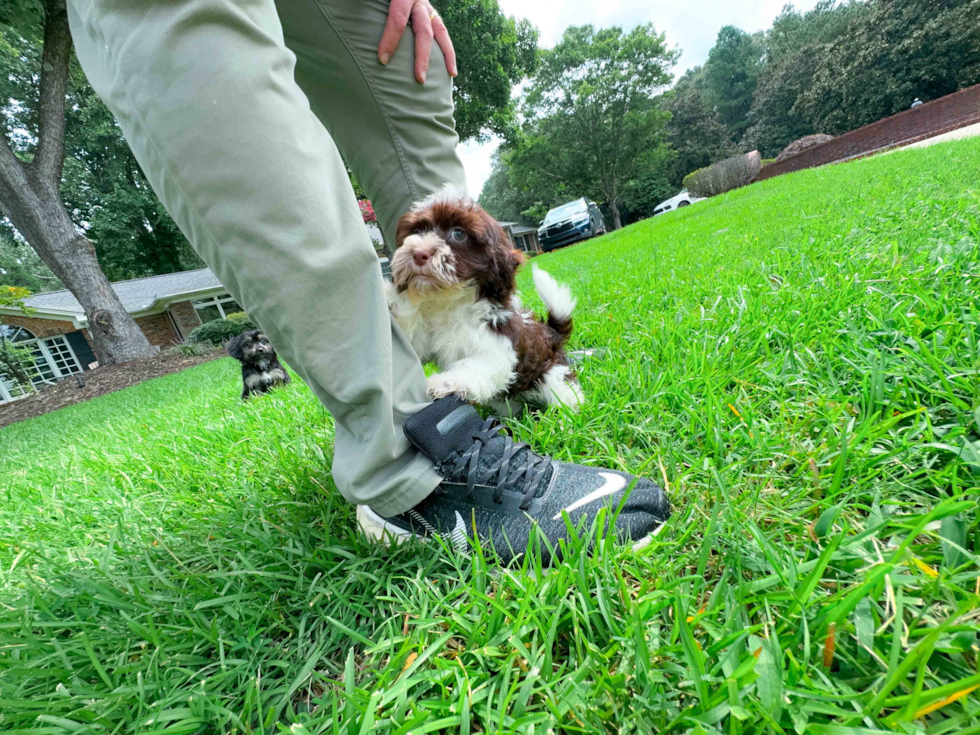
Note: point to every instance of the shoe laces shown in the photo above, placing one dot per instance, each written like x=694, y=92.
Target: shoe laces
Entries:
x=517, y=467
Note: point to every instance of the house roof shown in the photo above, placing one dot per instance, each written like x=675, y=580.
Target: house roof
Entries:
x=522, y=229
x=136, y=295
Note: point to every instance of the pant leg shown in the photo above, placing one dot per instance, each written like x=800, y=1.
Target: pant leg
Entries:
x=205, y=93
x=397, y=135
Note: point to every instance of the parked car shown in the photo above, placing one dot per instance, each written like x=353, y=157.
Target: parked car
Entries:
x=681, y=200
x=570, y=223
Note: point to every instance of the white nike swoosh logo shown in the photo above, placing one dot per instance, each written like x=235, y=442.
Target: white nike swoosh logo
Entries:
x=458, y=536
x=613, y=484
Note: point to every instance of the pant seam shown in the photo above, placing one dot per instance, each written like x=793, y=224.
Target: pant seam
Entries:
x=389, y=125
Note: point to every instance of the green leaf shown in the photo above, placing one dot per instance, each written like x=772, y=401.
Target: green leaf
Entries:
x=826, y=520
x=970, y=454
x=770, y=682
x=952, y=534
x=864, y=626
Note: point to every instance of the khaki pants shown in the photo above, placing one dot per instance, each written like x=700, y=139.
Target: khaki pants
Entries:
x=235, y=110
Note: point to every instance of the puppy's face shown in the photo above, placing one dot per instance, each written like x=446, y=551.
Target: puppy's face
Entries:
x=251, y=347
x=448, y=242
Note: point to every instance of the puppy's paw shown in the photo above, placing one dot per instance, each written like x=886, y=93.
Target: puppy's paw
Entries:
x=440, y=386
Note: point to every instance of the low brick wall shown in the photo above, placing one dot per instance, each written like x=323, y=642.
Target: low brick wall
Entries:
x=933, y=118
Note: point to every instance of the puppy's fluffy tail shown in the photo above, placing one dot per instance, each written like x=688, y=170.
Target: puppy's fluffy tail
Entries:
x=558, y=298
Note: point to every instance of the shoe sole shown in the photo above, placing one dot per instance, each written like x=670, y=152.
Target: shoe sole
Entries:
x=380, y=531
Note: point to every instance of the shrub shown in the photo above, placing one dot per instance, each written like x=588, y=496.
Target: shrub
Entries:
x=220, y=331
x=194, y=349
x=725, y=175
x=16, y=363
x=238, y=316
x=686, y=183
x=801, y=144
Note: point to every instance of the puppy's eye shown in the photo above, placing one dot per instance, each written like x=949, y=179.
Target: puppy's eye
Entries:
x=457, y=235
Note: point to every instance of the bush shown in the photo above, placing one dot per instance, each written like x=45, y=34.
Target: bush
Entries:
x=686, y=183
x=725, y=175
x=17, y=363
x=238, y=316
x=220, y=331
x=194, y=349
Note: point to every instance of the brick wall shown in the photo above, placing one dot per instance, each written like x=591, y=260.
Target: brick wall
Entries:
x=157, y=329
x=186, y=317
x=41, y=327
x=940, y=116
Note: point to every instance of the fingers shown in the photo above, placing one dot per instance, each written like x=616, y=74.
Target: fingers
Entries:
x=428, y=26
x=441, y=34
x=398, y=14
x=422, y=26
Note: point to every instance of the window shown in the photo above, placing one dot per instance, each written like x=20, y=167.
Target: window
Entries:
x=216, y=307
x=53, y=359
x=385, y=268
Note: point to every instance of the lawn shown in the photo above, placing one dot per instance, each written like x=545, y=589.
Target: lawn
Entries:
x=797, y=361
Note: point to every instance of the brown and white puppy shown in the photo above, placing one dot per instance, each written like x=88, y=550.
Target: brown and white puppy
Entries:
x=453, y=293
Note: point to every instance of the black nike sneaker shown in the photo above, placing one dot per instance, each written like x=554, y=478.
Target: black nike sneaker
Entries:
x=508, y=488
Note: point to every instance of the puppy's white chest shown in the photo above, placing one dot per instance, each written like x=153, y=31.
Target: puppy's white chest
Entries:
x=264, y=379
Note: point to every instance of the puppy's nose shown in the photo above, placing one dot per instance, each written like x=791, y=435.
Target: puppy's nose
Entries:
x=421, y=257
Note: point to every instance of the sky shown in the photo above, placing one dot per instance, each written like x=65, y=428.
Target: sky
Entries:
x=691, y=27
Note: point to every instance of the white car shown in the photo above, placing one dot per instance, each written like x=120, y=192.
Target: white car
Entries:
x=681, y=200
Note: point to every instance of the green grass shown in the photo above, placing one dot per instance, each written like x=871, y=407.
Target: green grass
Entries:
x=797, y=360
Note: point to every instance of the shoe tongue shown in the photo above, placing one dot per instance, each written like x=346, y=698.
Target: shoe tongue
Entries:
x=444, y=428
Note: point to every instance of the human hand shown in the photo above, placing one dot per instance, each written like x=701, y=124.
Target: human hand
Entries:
x=427, y=25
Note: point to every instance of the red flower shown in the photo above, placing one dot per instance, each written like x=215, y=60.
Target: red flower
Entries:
x=367, y=211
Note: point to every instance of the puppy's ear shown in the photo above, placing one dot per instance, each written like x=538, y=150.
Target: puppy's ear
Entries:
x=497, y=283
x=235, y=346
x=521, y=257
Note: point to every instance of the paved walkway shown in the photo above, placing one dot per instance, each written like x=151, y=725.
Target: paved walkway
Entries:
x=966, y=132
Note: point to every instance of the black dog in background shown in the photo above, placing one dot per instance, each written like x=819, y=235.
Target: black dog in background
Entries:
x=261, y=369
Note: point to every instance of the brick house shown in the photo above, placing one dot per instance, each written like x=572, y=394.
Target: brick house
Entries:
x=165, y=307
x=524, y=238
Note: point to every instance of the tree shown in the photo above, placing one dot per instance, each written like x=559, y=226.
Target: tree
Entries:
x=694, y=132
x=795, y=45
x=31, y=168
x=841, y=66
x=592, y=121
x=896, y=50
x=730, y=77
x=495, y=52
x=502, y=199
x=20, y=265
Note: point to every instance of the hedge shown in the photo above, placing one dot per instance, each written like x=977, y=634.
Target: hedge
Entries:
x=220, y=330
x=724, y=176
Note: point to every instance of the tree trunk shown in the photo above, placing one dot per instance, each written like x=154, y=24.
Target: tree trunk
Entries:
x=30, y=196
x=617, y=220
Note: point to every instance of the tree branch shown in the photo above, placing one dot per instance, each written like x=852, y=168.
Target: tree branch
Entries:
x=49, y=160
